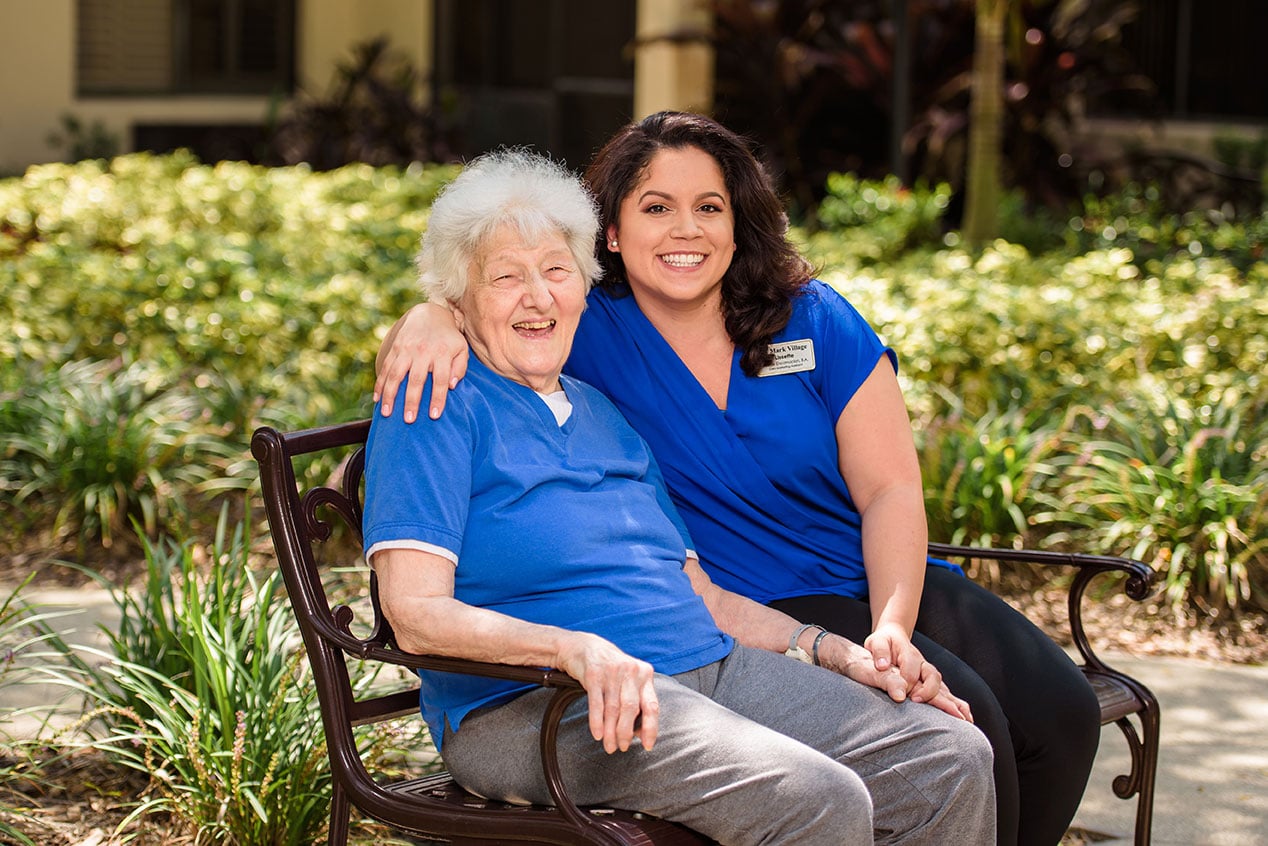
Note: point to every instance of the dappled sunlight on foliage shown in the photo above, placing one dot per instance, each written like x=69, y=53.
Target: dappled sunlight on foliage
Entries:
x=1085, y=396
x=179, y=305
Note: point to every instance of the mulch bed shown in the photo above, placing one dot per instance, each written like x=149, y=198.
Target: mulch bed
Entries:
x=78, y=798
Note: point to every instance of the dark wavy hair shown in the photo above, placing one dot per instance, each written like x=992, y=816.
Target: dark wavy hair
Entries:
x=766, y=272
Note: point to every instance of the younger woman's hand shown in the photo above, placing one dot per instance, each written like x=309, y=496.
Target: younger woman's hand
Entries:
x=857, y=663
x=891, y=648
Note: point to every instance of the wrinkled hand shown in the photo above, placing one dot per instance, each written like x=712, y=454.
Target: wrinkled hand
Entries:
x=426, y=341
x=925, y=683
x=622, y=697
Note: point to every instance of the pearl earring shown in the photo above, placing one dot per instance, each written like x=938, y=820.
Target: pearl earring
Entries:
x=612, y=243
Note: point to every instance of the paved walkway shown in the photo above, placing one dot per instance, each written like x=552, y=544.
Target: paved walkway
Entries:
x=1213, y=767
x=1212, y=777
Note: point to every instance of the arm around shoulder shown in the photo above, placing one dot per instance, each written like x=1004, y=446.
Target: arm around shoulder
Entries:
x=424, y=340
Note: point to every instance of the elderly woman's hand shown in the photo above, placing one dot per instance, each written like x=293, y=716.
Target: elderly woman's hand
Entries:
x=857, y=663
x=425, y=340
x=622, y=696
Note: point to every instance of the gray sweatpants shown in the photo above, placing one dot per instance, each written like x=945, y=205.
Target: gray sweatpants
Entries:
x=756, y=749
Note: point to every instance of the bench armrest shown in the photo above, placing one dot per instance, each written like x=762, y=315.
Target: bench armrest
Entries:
x=1138, y=584
x=567, y=691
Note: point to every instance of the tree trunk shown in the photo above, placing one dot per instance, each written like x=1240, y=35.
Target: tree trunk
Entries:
x=986, y=115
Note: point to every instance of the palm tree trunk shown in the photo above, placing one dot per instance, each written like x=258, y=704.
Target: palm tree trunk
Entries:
x=986, y=115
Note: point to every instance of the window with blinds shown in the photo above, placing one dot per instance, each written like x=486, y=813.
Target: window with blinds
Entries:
x=146, y=47
x=1205, y=58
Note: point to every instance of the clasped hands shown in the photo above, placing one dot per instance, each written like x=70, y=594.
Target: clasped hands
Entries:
x=622, y=694
x=890, y=661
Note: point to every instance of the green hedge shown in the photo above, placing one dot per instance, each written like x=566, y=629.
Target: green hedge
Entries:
x=283, y=278
x=1107, y=393
x=1120, y=353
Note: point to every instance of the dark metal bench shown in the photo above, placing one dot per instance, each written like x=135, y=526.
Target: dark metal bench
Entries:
x=434, y=806
x=1121, y=696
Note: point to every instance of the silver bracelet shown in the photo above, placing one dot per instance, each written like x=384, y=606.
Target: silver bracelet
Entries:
x=795, y=651
x=814, y=650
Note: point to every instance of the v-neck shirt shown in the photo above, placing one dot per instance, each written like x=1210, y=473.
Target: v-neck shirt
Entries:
x=759, y=483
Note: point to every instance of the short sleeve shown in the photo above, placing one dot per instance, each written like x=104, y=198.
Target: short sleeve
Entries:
x=418, y=477
x=848, y=347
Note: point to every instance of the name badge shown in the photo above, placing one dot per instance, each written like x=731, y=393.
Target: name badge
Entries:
x=790, y=357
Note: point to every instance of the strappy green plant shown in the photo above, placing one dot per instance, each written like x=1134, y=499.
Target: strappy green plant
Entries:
x=204, y=688
x=982, y=476
x=103, y=444
x=1182, y=485
x=18, y=632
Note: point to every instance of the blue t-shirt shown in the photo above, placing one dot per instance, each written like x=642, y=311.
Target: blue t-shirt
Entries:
x=560, y=525
x=758, y=484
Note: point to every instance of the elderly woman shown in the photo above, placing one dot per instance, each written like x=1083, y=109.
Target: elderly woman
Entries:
x=530, y=525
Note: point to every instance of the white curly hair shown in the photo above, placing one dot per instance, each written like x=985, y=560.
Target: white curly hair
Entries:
x=509, y=187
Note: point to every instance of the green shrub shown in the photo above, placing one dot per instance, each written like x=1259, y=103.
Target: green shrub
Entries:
x=282, y=277
x=1179, y=485
x=205, y=690
x=260, y=296
x=1044, y=334
x=879, y=220
x=101, y=444
x=983, y=477
x=245, y=295
x=1136, y=219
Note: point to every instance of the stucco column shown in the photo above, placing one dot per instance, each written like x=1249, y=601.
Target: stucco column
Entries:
x=668, y=73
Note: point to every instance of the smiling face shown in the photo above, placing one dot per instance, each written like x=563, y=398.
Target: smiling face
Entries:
x=521, y=309
x=676, y=230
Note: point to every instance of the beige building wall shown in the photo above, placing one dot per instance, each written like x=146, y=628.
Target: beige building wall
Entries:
x=37, y=82
x=37, y=71
x=327, y=30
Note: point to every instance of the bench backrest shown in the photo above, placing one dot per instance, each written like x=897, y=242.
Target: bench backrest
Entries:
x=302, y=520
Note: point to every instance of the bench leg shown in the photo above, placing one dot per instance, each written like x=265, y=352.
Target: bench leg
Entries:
x=1149, y=719
x=339, y=816
x=1140, y=781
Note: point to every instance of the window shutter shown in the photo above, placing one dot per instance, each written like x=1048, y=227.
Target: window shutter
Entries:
x=125, y=46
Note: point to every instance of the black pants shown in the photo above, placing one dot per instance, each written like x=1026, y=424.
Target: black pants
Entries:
x=1032, y=702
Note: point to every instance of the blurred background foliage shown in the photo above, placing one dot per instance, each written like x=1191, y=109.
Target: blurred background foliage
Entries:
x=813, y=82
x=1095, y=382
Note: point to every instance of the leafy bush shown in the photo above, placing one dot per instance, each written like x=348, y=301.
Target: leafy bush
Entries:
x=885, y=218
x=983, y=478
x=281, y=277
x=206, y=691
x=256, y=295
x=1137, y=218
x=224, y=297
x=102, y=444
x=1178, y=485
x=1042, y=334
